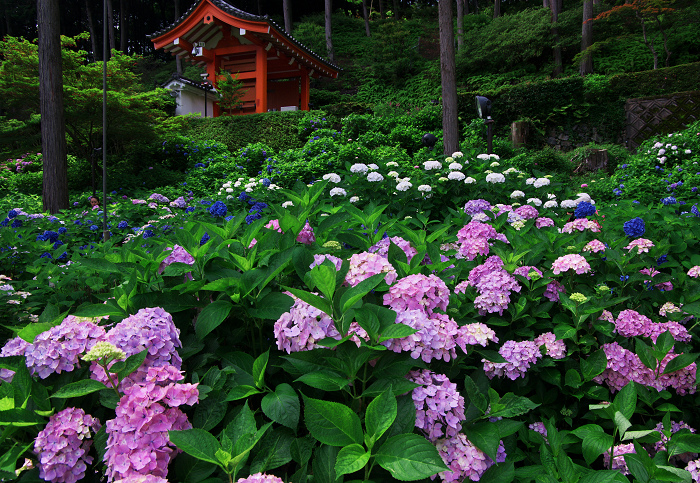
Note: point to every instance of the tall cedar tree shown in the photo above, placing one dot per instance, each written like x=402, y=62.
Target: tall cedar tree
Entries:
x=53, y=134
x=329, y=38
x=586, y=65
x=366, y=17
x=555, y=7
x=287, y=9
x=450, y=128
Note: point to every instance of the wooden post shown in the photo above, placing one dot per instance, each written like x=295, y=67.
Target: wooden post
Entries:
x=260, y=80
x=519, y=132
x=305, y=84
x=597, y=160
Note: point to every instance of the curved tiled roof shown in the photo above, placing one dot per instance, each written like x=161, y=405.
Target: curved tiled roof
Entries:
x=236, y=12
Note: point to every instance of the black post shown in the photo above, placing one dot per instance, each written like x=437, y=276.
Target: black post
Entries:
x=205, y=98
x=489, y=135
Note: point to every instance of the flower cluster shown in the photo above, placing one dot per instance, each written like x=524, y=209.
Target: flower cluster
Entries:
x=260, y=478
x=141, y=479
x=306, y=235
x=594, y=246
x=465, y=460
x=439, y=406
x=624, y=366
x=630, y=323
x=473, y=239
x=218, y=209
x=584, y=209
x=62, y=446
x=137, y=438
x=556, y=349
x=13, y=347
x=319, y=259
x=364, y=265
x=149, y=329
x=494, y=285
x=618, y=462
x=518, y=355
x=571, y=262
x=473, y=207
x=177, y=255
x=418, y=292
x=59, y=348
x=642, y=244
x=581, y=224
x=382, y=247
x=634, y=228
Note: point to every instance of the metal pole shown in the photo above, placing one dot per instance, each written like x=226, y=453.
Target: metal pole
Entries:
x=489, y=136
x=205, y=98
x=105, y=231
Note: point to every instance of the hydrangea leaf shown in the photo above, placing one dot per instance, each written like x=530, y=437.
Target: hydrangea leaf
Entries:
x=282, y=406
x=332, y=423
x=196, y=442
x=350, y=459
x=410, y=457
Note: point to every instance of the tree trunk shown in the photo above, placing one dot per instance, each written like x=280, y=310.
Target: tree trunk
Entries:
x=466, y=7
x=287, y=8
x=460, y=25
x=366, y=17
x=53, y=125
x=93, y=33
x=496, y=8
x=545, y=3
x=6, y=14
x=554, y=6
x=329, y=37
x=649, y=44
x=123, y=26
x=397, y=7
x=586, y=65
x=450, y=128
x=110, y=26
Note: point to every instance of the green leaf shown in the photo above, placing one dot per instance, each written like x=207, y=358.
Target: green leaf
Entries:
x=601, y=476
x=196, y=442
x=621, y=422
x=208, y=414
x=566, y=469
x=282, y=406
x=484, y=437
x=410, y=457
x=499, y=473
x=679, y=362
x=626, y=400
x=20, y=417
x=396, y=331
x=573, y=378
x=99, y=310
x=350, y=459
x=324, y=380
x=594, y=365
x=240, y=392
x=513, y=405
x=314, y=300
x=323, y=276
x=324, y=464
x=243, y=423
x=352, y=295
x=126, y=367
x=645, y=355
x=332, y=423
x=79, y=388
x=259, y=367
x=211, y=317
x=272, y=306
x=99, y=265
x=685, y=443
x=380, y=415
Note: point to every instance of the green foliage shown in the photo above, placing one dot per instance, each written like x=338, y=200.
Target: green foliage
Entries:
x=230, y=91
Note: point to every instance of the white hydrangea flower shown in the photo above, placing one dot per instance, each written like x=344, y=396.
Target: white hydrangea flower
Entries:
x=449, y=159
x=455, y=166
x=674, y=147
x=534, y=201
x=495, y=178
x=569, y=204
x=374, y=177
x=469, y=180
x=518, y=224
x=550, y=204
x=495, y=164
x=249, y=190
x=332, y=177
x=227, y=185
x=237, y=184
x=393, y=174
x=354, y=199
x=359, y=168
x=662, y=159
x=530, y=181
x=338, y=192
x=687, y=151
x=481, y=216
x=432, y=164
x=662, y=151
x=517, y=194
x=540, y=182
x=229, y=190
x=392, y=164
x=403, y=186
x=287, y=204
x=551, y=196
x=456, y=176
x=584, y=197
x=250, y=186
x=457, y=154
x=510, y=170
x=495, y=156
x=424, y=188
x=373, y=166
x=483, y=157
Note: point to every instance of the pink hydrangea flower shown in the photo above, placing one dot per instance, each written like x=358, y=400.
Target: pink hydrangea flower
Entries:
x=62, y=446
x=141, y=479
x=306, y=235
x=13, y=347
x=137, y=438
x=525, y=271
x=581, y=224
x=642, y=244
x=364, y=265
x=466, y=461
x=694, y=272
x=538, y=427
x=556, y=349
x=260, y=478
x=571, y=262
x=618, y=462
x=552, y=291
x=527, y=211
x=439, y=406
x=594, y=246
x=177, y=255
x=274, y=225
x=382, y=247
x=543, y=222
x=418, y=292
x=630, y=323
x=319, y=259
x=475, y=334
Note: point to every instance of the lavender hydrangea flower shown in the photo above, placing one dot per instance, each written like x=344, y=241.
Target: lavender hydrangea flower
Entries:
x=418, y=292
x=382, y=247
x=149, y=329
x=62, y=446
x=439, y=406
x=364, y=265
x=13, y=347
x=59, y=348
x=473, y=207
x=260, y=478
x=465, y=460
x=518, y=355
x=179, y=255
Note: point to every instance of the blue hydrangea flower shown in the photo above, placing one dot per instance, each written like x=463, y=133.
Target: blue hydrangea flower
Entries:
x=662, y=259
x=16, y=224
x=205, y=202
x=93, y=227
x=62, y=230
x=189, y=209
x=57, y=244
x=584, y=209
x=205, y=238
x=243, y=196
x=77, y=222
x=123, y=224
x=694, y=210
x=669, y=200
x=218, y=209
x=266, y=182
x=251, y=218
x=199, y=165
x=634, y=228
x=229, y=218
x=148, y=234
x=5, y=222
x=45, y=255
x=12, y=214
